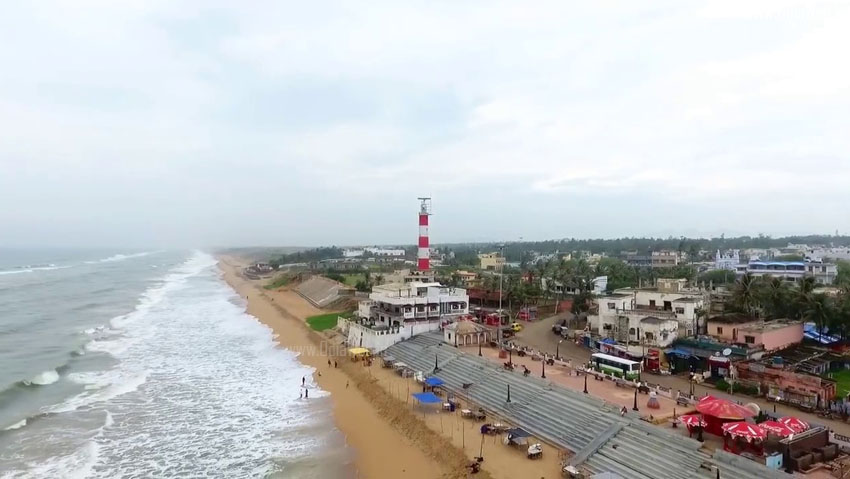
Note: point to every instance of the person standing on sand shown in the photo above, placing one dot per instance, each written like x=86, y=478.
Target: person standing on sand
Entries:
x=335, y=364
x=303, y=378
x=306, y=393
x=346, y=385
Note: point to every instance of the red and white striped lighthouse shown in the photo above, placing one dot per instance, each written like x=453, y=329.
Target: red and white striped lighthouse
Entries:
x=424, y=254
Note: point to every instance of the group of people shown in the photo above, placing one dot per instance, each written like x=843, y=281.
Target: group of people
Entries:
x=305, y=391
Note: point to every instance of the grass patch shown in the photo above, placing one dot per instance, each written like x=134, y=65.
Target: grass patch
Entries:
x=322, y=322
x=353, y=279
x=279, y=282
x=842, y=380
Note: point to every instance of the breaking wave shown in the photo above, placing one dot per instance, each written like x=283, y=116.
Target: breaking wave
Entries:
x=42, y=379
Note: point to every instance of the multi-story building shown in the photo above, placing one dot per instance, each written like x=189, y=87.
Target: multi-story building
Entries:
x=397, y=252
x=727, y=260
x=665, y=259
x=793, y=271
x=655, y=259
x=620, y=315
x=400, y=304
x=794, y=375
x=491, y=261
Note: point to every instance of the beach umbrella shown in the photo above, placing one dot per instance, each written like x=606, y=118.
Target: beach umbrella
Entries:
x=692, y=420
x=777, y=428
x=798, y=425
x=743, y=429
x=723, y=409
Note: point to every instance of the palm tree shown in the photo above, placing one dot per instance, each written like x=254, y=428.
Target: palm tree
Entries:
x=819, y=311
x=803, y=297
x=744, y=297
x=774, y=297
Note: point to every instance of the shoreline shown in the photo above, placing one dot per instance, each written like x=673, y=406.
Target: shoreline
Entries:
x=380, y=448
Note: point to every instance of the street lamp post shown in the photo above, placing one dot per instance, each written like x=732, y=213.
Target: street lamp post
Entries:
x=585, y=382
x=479, y=345
x=558, y=350
x=635, y=407
x=544, y=367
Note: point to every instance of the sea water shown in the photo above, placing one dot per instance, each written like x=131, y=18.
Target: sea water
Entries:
x=145, y=364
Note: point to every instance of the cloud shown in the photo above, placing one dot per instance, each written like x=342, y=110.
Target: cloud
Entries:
x=531, y=111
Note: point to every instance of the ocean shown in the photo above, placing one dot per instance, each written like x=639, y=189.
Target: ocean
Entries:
x=145, y=364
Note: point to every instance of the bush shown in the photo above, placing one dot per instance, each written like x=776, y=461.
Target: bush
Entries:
x=724, y=386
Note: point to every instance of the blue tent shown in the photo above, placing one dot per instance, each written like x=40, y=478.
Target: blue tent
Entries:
x=678, y=352
x=608, y=341
x=434, y=381
x=427, y=398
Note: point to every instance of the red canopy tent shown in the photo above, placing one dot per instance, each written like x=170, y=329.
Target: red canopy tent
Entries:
x=798, y=425
x=777, y=428
x=717, y=411
x=744, y=430
x=693, y=421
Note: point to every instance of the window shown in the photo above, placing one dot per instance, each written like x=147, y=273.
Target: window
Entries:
x=719, y=330
x=612, y=306
x=750, y=339
x=680, y=310
x=606, y=326
x=631, y=331
x=651, y=303
x=650, y=336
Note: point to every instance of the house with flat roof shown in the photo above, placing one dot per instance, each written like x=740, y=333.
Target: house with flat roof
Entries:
x=791, y=271
x=772, y=335
x=618, y=315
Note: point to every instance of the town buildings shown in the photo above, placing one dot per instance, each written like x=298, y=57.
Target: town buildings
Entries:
x=491, y=261
x=747, y=331
x=397, y=304
x=655, y=259
x=794, y=375
x=466, y=333
x=620, y=315
x=792, y=271
x=727, y=259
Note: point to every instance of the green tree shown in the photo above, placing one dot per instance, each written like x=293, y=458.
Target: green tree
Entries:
x=774, y=297
x=820, y=311
x=843, y=276
x=745, y=296
x=717, y=277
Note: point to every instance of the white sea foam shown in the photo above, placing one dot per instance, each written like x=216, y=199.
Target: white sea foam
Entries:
x=17, y=425
x=32, y=269
x=43, y=378
x=200, y=389
x=120, y=257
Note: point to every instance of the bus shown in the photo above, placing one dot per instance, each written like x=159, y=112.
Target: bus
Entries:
x=619, y=367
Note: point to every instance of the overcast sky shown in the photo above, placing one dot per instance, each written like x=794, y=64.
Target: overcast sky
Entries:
x=158, y=123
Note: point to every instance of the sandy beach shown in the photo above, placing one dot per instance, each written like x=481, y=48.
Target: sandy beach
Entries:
x=391, y=438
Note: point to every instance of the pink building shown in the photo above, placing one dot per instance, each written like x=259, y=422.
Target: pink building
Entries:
x=773, y=335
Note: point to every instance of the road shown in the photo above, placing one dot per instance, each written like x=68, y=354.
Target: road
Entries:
x=538, y=335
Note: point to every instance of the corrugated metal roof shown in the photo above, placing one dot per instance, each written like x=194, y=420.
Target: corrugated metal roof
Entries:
x=572, y=420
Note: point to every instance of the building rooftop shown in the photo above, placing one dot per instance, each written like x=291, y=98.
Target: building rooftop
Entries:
x=734, y=318
x=772, y=325
x=654, y=320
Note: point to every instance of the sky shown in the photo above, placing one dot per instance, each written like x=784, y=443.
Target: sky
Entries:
x=203, y=123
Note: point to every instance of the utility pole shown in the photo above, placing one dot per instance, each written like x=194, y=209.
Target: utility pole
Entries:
x=501, y=269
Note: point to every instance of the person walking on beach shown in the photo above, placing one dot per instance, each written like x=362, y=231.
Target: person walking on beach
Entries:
x=306, y=393
x=303, y=378
x=335, y=364
x=346, y=385
x=329, y=363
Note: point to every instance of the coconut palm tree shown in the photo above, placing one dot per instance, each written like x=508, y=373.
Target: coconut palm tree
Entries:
x=803, y=297
x=745, y=296
x=774, y=297
x=819, y=311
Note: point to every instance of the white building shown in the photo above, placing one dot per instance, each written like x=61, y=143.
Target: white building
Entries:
x=791, y=271
x=727, y=260
x=385, y=251
x=620, y=315
x=821, y=253
x=352, y=253
x=398, y=304
x=600, y=285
